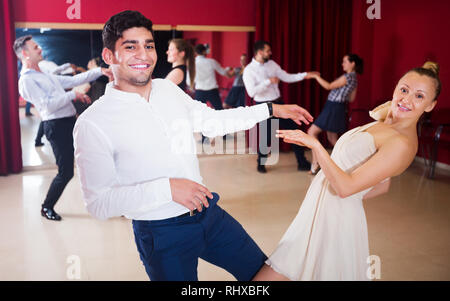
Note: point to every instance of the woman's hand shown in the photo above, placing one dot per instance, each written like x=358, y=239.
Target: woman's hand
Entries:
x=312, y=74
x=298, y=137
x=108, y=72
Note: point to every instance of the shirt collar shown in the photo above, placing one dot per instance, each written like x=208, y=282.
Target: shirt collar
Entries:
x=258, y=63
x=110, y=91
x=26, y=70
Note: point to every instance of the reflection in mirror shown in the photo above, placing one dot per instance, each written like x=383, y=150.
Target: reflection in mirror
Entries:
x=79, y=47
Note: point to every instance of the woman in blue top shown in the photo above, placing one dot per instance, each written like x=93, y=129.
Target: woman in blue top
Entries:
x=332, y=119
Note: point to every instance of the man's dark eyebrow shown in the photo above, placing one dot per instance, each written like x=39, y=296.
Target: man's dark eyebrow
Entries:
x=137, y=42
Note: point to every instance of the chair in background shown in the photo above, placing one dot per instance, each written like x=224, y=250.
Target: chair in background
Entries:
x=434, y=133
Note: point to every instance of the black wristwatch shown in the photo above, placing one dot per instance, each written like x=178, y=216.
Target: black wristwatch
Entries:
x=269, y=105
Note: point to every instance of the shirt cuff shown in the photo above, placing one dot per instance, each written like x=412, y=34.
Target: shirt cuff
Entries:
x=71, y=95
x=99, y=71
x=262, y=111
x=159, y=192
x=302, y=75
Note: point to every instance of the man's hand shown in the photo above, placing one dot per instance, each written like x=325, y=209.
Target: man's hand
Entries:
x=312, y=74
x=274, y=80
x=294, y=112
x=189, y=194
x=108, y=72
x=82, y=98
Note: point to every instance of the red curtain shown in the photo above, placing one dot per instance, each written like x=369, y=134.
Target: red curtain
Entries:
x=10, y=147
x=306, y=35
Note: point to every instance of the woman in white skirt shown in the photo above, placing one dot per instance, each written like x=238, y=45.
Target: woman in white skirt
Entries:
x=328, y=239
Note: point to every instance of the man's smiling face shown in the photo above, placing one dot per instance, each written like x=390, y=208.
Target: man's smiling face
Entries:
x=134, y=57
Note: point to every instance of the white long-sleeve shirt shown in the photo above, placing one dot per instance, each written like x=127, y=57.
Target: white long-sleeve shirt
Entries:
x=127, y=148
x=47, y=91
x=205, y=77
x=257, y=76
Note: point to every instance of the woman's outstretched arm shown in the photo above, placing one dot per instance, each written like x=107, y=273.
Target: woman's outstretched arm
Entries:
x=337, y=83
x=391, y=159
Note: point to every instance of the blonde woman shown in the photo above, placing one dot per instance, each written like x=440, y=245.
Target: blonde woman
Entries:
x=328, y=239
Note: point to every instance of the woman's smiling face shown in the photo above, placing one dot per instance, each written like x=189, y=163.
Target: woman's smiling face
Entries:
x=414, y=95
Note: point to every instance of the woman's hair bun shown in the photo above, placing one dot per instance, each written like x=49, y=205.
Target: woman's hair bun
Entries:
x=432, y=66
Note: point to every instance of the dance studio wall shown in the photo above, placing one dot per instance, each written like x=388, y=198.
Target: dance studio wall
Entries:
x=226, y=47
x=174, y=12
x=408, y=33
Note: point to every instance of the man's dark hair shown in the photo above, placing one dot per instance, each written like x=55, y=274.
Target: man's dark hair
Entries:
x=19, y=44
x=117, y=24
x=200, y=49
x=259, y=45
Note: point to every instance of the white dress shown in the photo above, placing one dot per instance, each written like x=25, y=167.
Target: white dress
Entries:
x=328, y=238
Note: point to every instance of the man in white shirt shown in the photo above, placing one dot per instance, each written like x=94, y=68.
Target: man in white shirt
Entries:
x=206, y=87
x=50, y=68
x=47, y=93
x=261, y=78
x=135, y=154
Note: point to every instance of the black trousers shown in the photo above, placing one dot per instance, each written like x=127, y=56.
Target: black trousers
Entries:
x=284, y=124
x=40, y=133
x=212, y=96
x=59, y=133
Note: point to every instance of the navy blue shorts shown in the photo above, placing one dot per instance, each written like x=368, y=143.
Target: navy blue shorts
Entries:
x=170, y=248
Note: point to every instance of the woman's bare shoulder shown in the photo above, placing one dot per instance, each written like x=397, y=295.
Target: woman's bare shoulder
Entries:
x=398, y=146
x=385, y=135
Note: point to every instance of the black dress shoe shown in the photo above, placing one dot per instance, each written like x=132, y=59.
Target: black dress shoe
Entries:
x=304, y=166
x=28, y=114
x=50, y=214
x=262, y=169
x=37, y=144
